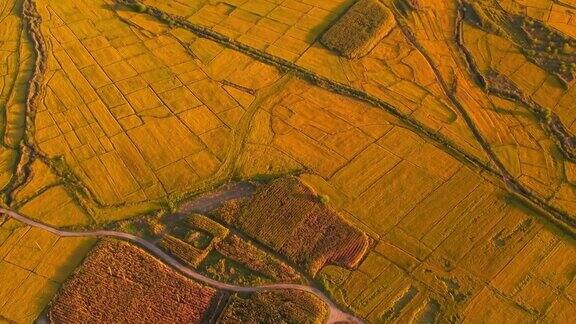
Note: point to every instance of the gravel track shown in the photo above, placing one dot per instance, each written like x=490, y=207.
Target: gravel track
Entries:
x=335, y=314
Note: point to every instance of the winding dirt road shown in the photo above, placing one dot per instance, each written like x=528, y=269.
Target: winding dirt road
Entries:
x=335, y=314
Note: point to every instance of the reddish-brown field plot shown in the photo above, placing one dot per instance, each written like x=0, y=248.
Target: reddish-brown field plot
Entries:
x=290, y=218
x=120, y=283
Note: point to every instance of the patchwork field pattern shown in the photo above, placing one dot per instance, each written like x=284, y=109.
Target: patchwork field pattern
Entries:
x=287, y=217
x=33, y=266
x=282, y=28
x=408, y=160
x=117, y=276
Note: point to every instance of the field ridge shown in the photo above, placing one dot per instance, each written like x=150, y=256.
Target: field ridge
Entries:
x=558, y=216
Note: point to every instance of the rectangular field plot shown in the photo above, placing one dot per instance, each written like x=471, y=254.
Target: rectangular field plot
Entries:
x=33, y=265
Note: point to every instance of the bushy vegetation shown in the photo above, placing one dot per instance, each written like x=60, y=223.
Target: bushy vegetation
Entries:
x=481, y=16
x=141, y=8
x=221, y=268
x=279, y=306
x=324, y=199
x=548, y=49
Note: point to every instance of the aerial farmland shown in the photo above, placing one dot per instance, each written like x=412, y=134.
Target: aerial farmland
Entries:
x=287, y=161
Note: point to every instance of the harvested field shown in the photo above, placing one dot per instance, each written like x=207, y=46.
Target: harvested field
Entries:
x=358, y=31
x=121, y=283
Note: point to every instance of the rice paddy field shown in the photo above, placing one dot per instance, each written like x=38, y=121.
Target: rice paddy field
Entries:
x=288, y=161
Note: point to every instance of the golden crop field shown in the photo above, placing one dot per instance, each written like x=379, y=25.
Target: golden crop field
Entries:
x=294, y=161
x=33, y=266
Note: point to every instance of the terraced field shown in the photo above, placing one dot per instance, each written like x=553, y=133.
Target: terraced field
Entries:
x=288, y=161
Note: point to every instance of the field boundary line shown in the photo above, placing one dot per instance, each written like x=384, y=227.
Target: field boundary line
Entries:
x=559, y=217
x=335, y=314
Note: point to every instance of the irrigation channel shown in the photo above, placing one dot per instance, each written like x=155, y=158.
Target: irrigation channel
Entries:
x=335, y=314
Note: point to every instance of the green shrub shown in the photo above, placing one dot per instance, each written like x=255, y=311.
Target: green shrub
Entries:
x=139, y=7
x=323, y=199
x=264, y=178
x=546, y=114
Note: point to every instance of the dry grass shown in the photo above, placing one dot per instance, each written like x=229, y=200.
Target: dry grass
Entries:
x=360, y=29
x=121, y=283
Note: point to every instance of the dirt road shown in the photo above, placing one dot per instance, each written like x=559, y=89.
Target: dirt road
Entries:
x=335, y=314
